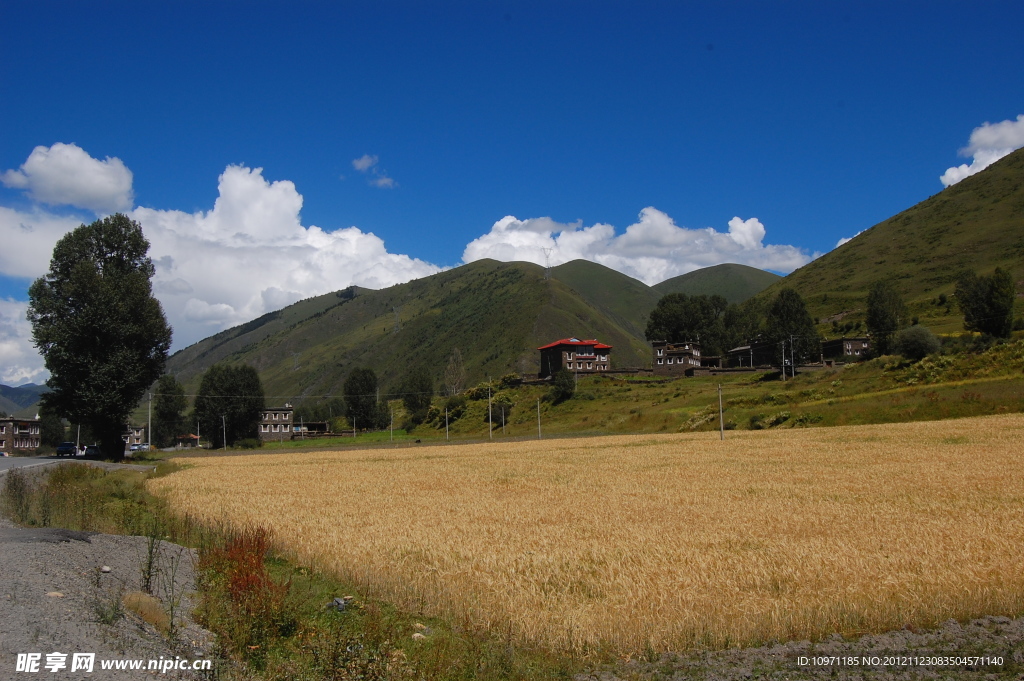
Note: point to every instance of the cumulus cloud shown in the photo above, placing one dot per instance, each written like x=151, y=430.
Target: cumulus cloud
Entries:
x=19, y=361
x=367, y=165
x=251, y=254
x=989, y=143
x=652, y=249
x=65, y=174
x=248, y=255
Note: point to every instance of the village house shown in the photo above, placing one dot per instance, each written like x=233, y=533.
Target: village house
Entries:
x=276, y=423
x=18, y=434
x=578, y=356
x=134, y=435
x=675, y=359
x=838, y=348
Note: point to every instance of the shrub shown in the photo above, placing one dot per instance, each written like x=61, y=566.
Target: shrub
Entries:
x=563, y=386
x=456, y=406
x=510, y=381
x=916, y=343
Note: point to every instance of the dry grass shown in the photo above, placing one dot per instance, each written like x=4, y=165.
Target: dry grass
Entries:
x=149, y=608
x=668, y=541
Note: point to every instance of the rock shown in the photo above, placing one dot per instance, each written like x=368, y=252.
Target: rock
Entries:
x=340, y=604
x=55, y=594
x=418, y=636
x=105, y=568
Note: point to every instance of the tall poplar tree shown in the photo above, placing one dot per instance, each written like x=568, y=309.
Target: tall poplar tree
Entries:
x=102, y=334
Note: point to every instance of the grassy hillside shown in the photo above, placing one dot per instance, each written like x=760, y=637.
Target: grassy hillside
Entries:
x=976, y=224
x=497, y=314
x=733, y=282
x=622, y=298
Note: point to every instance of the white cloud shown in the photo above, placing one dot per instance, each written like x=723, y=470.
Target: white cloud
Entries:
x=248, y=255
x=364, y=162
x=652, y=250
x=19, y=361
x=64, y=174
x=989, y=143
x=847, y=239
x=251, y=254
x=367, y=164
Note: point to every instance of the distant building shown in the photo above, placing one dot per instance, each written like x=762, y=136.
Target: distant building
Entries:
x=134, y=435
x=20, y=434
x=578, y=356
x=276, y=423
x=837, y=348
x=675, y=359
x=756, y=353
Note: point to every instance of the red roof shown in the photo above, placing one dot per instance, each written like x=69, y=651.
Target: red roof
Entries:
x=575, y=342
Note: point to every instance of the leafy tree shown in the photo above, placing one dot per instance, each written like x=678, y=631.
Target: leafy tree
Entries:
x=229, y=403
x=743, y=322
x=885, y=316
x=102, y=334
x=455, y=374
x=328, y=410
x=916, y=342
x=361, y=404
x=51, y=427
x=169, y=406
x=563, y=386
x=987, y=302
x=787, y=320
x=678, y=318
x=417, y=391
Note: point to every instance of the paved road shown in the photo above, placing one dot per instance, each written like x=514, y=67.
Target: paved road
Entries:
x=9, y=462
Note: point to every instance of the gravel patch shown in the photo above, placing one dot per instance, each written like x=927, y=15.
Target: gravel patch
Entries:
x=61, y=591
x=895, y=655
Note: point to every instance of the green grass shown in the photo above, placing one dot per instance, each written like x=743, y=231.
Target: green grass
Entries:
x=733, y=282
x=975, y=224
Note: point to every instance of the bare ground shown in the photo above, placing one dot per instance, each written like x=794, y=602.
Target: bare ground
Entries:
x=55, y=596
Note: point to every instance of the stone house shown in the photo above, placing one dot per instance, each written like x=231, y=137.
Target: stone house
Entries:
x=578, y=356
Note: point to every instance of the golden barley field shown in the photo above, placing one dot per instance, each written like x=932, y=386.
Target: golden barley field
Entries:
x=672, y=541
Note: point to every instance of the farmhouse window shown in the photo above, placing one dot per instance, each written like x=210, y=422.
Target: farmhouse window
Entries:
x=661, y=361
x=590, y=365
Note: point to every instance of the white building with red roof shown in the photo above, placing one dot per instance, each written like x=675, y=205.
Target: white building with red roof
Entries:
x=578, y=356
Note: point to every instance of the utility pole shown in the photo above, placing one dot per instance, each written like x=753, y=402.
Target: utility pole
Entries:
x=149, y=426
x=783, y=361
x=538, y=419
x=721, y=419
x=490, y=418
x=392, y=412
x=446, y=424
x=792, y=354
x=224, y=425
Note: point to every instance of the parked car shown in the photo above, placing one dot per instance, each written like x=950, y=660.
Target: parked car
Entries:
x=92, y=450
x=67, y=449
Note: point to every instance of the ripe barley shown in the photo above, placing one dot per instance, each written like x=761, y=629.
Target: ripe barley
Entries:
x=667, y=540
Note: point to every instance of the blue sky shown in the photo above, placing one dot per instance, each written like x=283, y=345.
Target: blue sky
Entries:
x=395, y=138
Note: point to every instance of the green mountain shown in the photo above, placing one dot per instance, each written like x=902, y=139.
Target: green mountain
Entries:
x=733, y=282
x=976, y=224
x=497, y=314
x=18, y=400
x=626, y=300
